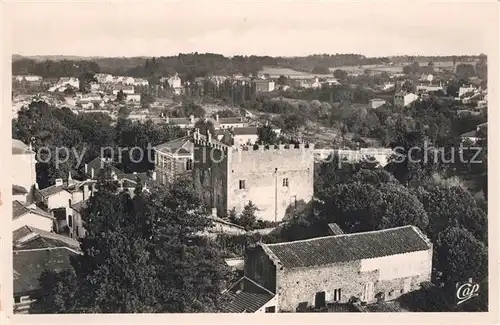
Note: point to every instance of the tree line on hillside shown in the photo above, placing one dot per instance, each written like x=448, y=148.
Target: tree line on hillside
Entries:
x=191, y=65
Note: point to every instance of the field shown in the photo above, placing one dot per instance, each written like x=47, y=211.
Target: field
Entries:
x=276, y=72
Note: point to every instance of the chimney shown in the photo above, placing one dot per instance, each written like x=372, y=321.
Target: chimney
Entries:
x=168, y=119
x=91, y=173
x=154, y=176
x=69, y=177
x=214, y=212
x=191, y=118
x=217, y=117
x=36, y=186
x=85, y=191
x=59, y=182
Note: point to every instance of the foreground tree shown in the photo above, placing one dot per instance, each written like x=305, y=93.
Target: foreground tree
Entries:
x=140, y=255
x=459, y=256
x=450, y=206
x=267, y=135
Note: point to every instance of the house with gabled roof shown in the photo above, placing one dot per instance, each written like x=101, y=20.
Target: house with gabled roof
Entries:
x=29, y=237
x=247, y=296
x=227, y=122
x=369, y=267
x=29, y=264
x=174, y=159
x=24, y=214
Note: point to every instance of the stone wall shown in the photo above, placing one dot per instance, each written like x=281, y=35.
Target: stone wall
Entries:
x=260, y=268
x=299, y=285
x=174, y=168
x=263, y=171
x=218, y=170
x=210, y=176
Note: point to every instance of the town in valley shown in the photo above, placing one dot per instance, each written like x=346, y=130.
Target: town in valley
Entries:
x=201, y=182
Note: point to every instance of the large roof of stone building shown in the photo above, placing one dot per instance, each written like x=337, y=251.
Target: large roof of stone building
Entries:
x=29, y=265
x=348, y=247
x=182, y=145
x=246, y=296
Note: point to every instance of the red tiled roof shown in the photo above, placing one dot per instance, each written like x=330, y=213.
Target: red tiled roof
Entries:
x=349, y=247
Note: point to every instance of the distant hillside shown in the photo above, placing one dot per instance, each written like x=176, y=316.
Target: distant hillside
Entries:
x=192, y=65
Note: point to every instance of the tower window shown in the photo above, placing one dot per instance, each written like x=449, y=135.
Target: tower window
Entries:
x=242, y=184
x=189, y=164
x=285, y=182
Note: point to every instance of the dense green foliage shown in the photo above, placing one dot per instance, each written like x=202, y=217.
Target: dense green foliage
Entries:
x=85, y=136
x=140, y=255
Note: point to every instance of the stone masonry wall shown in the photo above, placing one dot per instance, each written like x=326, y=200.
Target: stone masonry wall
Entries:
x=260, y=268
x=300, y=285
x=210, y=176
x=264, y=171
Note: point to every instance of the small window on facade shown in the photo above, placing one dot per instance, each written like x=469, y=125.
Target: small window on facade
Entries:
x=70, y=221
x=337, y=295
x=271, y=309
x=189, y=164
x=242, y=184
x=17, y=300
x=285, y=182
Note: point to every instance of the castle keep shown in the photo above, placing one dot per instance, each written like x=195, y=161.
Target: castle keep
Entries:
x=272, y=177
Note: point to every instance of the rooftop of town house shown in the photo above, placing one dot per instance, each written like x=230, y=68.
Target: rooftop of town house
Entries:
x=230, y=120
x=79, y=206
x=28, y=237
x=246, y=296
x=51, y=190
x=348, y=247
x=99, y=163
x=17, y=189
x=470, y=134
x=30, y=264
x=19, y=148
x=123, y=87
x=245, y=131
x=179, y=120
x=182, y=146
x=19, y=209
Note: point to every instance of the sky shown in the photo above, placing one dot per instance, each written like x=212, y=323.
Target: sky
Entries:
x=275, y=28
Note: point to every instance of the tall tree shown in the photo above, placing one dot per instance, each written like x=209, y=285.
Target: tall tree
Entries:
x=266, y=135
x=141, y=255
